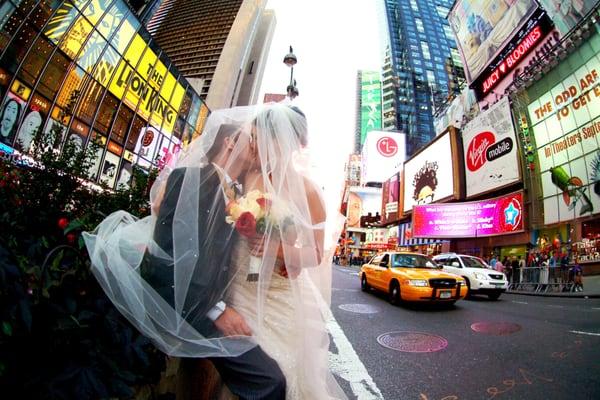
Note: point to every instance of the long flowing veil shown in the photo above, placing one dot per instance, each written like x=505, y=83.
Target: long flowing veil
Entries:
x=166, y=272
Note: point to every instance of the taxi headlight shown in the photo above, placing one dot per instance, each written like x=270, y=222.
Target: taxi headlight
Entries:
x=418, y=282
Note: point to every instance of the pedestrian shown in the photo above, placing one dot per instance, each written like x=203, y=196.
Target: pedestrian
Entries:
x=577, y=277
x=507, y=268
x=498, y=266
x=493, y=261
x=521, y=268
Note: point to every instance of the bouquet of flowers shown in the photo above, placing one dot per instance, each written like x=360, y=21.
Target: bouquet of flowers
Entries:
x=251, y=215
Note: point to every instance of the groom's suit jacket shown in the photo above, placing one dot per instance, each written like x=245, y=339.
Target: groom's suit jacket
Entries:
x=215, y=240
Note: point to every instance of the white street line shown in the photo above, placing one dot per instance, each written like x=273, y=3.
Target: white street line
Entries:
x=520, y=302
x=555, y=306
x=595, y=308
x=347, y=365
x=585, y=333
x=354, y=273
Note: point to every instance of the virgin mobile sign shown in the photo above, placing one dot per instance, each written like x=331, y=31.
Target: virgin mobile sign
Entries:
x=491, y=217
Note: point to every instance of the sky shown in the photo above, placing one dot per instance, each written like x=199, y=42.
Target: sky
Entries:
x=332, y=40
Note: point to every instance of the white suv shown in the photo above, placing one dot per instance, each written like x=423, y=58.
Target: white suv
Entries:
x=479, y=276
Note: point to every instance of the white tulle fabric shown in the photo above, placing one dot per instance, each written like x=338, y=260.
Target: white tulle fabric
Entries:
x=285, y=314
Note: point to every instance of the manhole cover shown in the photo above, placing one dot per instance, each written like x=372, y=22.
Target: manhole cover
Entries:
x=412, y=342
x=496, y=328
x=360, y=308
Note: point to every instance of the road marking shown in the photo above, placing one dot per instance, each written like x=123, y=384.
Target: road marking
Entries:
x=354, y=273
x=585, y=333
x=346, y=364
x=520, y=302
x=555, y=306
x=595, y=308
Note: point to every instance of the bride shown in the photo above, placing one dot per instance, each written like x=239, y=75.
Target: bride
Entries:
x=283, y=305
x=237, y=228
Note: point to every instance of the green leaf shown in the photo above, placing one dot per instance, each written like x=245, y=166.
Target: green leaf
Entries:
x=7, y=328
x=74, y=225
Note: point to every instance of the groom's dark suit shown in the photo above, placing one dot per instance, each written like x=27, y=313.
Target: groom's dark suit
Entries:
x=252, y=375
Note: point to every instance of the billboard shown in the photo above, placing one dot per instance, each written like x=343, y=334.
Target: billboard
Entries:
x=139, y=76
x=566, y=124
x=383, y=154
x=483, y=28
x=362, y=201
x=370, y=103
x=490, y=217
x=566, y=14
x=390, y=198
x=490, y=150
x=430, y=175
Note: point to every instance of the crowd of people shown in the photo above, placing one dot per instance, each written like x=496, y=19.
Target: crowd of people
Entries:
x=540, y=267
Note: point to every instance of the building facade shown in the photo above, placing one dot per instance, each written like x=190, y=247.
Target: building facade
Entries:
x=420, y=43
x=216, y=45
x=90, y=70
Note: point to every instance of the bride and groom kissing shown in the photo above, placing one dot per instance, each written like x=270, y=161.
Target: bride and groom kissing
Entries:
x=183, y=275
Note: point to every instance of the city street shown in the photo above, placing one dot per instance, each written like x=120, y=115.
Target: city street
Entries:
x=519, y=347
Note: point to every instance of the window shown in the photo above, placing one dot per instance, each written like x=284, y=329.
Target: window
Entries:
x=121, y=125
x=89, y=103
x=425, y=50
x=385, y=260
x=35, y=60
x=136, y=127
x=53, y=75
x=419, y=24
x=91, y=52
x=76, y=37
x=18, y=47
x=105, y=113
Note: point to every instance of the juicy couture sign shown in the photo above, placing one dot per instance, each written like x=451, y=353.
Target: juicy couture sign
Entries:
x=491, y=158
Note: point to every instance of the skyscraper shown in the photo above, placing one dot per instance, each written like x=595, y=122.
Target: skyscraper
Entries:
x=212, y=43
x=419, y=43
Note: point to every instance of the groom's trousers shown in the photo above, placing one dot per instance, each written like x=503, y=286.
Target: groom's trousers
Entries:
x=252, y=376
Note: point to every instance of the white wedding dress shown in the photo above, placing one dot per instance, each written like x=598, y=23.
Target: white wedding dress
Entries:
x=279, y=329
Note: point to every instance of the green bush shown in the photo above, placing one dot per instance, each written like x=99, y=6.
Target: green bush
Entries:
x=60, y=336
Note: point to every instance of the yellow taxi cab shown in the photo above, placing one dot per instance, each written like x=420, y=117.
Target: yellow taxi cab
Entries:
x=411, y=277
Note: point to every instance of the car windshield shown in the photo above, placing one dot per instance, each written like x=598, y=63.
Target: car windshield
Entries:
x=473, y=262
x=412, y=261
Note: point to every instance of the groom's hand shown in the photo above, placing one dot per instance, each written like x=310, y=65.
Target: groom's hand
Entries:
x=231, y=323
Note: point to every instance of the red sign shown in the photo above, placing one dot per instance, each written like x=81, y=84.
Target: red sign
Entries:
x=477, y=148
x=513, y=58
x=387, y=146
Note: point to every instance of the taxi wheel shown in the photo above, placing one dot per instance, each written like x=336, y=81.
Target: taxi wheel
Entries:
x=468, y=287
x=363, y=283
x=494, y=296
x=395, y=297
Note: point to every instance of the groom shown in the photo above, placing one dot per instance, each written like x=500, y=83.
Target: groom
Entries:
x=253, y=374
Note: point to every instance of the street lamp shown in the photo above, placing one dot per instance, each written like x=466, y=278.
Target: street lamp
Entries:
x=290, y=60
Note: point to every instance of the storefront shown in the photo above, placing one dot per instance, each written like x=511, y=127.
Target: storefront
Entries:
x=89, y=71
x=430, y=247
x=562, y=114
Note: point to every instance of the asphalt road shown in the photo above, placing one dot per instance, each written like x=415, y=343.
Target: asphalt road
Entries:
x=526, y=347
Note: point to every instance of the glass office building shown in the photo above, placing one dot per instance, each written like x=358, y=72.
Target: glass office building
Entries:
x=419, y=42
x=88, y=69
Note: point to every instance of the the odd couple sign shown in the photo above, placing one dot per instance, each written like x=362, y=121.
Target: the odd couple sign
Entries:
x=500, y=215
x=490, y=150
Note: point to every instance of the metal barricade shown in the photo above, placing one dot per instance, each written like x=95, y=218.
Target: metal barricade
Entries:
x=544, y=279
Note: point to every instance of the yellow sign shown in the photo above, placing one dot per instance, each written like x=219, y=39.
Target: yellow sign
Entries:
x=20, y=90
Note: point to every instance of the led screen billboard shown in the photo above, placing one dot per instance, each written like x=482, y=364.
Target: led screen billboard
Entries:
x=430, y=175
x=370, y=100
x=566, y=14
x=566, y=124
x=483, y=28
x=390, y=199
x=362, y=201
x=383, y=153
x=490, y=217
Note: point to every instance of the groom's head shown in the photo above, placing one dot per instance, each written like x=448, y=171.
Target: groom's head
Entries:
x=230, y=149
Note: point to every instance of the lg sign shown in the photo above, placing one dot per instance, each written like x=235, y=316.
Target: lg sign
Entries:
x=387, y=146
x=484, y=148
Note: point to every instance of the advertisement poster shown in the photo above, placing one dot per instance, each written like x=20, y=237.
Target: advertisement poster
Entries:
x=429, y=176
x=362, y=201
x=566, y=14
x=566, y=125
x=32, y=122
x=108, y=176
x=500, y=215
x=390, y=199
x=490, y=150
x=483, y=28
x=12, y=109
x=384, y=153
x=146, y=146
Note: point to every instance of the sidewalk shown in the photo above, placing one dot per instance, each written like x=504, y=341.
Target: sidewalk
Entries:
x=591, y=289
